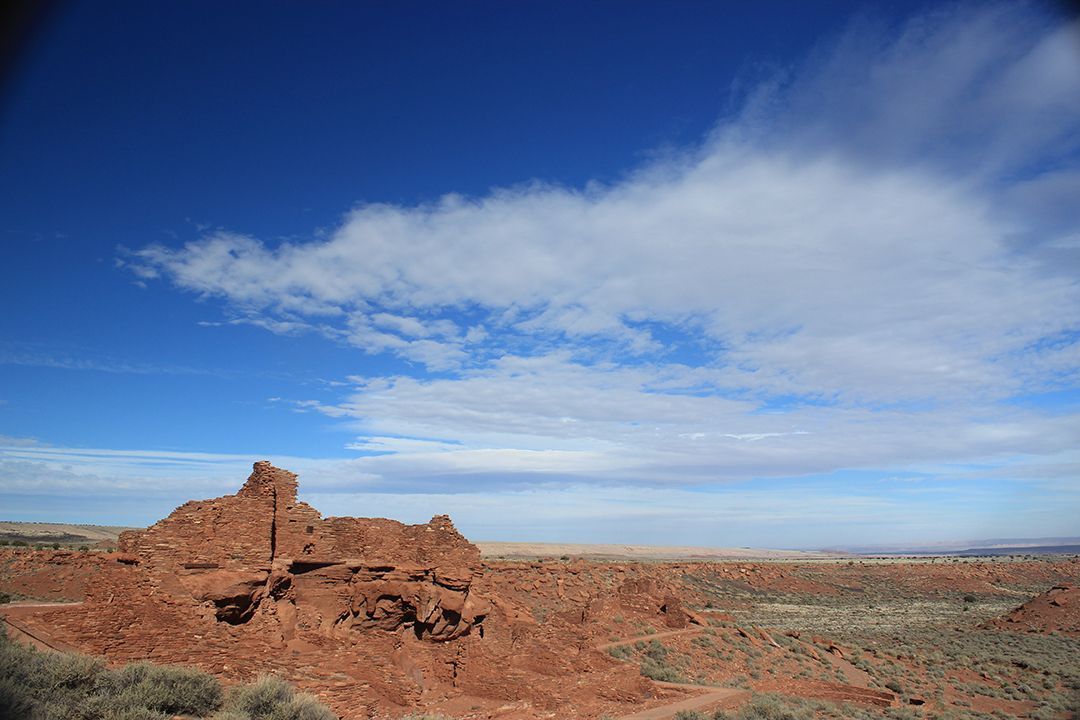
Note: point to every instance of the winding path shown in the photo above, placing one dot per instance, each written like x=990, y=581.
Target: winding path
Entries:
x=714, y=697
x=651, y=636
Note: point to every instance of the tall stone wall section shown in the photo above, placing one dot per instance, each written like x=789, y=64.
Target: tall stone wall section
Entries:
x=229, y=532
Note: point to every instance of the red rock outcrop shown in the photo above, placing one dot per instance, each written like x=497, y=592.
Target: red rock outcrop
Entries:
x=262, y=546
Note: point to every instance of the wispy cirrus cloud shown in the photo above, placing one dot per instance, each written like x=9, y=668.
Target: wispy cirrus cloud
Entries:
x=60, y=359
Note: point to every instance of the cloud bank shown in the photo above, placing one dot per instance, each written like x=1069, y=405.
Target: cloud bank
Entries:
x=872, y=263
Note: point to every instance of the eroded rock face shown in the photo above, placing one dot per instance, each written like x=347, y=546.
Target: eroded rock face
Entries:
x=262, y=550
x=234, y=594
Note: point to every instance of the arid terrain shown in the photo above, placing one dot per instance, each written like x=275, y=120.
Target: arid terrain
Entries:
x=647, y=553
x=385, y=620
x=62, y=534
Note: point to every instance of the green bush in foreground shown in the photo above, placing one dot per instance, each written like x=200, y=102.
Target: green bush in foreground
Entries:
x=270, y=698
x=764, y=707
x=168, y=690
x=38, y=685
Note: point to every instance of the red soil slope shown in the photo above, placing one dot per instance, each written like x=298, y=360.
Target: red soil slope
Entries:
x=1057, y=610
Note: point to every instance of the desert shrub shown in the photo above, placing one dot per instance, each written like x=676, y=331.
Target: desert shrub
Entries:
x=703, y=641
x=768, y=707
x=100, y=708
x=14, y=702
x=5, y=598
x=271, y=698
x=258, y=699
x=173, y=690
x=766, y=710
x=658, y=671
x=620, y=652
x=689, y=715
x=37, y=685
x=44, y=685
x=305, y=706
x=57, y=683
x=655, y=650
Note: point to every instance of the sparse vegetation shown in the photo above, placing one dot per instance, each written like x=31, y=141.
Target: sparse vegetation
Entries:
x=270, y=698
x=656, y=662
x=690, y=715
x=36, y=685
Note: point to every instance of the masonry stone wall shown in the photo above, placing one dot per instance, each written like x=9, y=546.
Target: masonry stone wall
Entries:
x=263, y=550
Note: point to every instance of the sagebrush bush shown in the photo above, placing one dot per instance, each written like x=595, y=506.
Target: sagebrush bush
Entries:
x=689, y=715
x=305, y=706
x=769, y=707
x=271, y=698
x=172, y=690
x=13, y=700
x=53, y=685
x=658, y=671
x=37, y=685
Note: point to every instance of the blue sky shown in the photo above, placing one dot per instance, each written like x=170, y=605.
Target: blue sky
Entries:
x=793, y=274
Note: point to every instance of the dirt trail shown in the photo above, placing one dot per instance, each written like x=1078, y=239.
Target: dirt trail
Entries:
x=652, y=636
x=713, y=699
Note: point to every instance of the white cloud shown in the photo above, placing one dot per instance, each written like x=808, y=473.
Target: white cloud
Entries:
x=84, y=485
x=852, y=272
x=618, y=429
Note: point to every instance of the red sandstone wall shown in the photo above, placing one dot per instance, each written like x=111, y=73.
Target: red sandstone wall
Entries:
x=264, y=521
x=263, y=551
x=230, y=532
